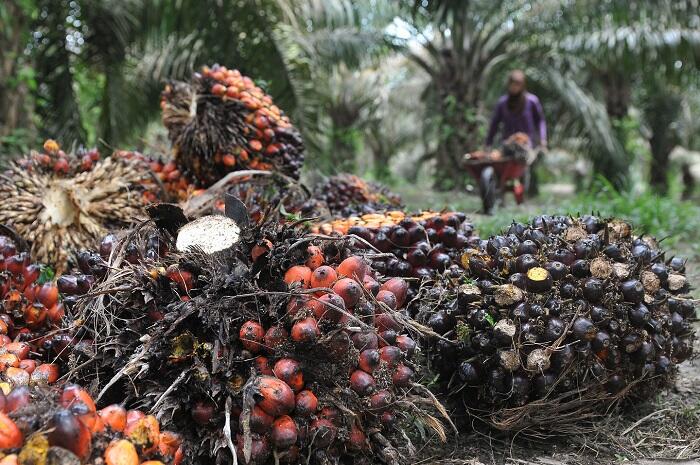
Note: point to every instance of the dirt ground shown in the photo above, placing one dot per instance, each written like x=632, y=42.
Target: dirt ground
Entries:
x=662, y=431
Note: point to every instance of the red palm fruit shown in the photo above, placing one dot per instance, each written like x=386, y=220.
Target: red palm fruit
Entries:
x=121, y=452
x=144, y=433
x=362, y=382
x=289, y=371
x=369, y=360
x=330, y=413
x=402, y=376
x=65, y=430
x=255, y=145
x=10, y=435
x=260, y=249
x=218, y=89
x=357, y=440
x=16, y=264
x=28, y=365
x=260, y=421
x=18, y=398
x=406, y=344
x=305, y=331
x=371, y=285
x=306, y=403
x=252, y=335
x=323, y=276
x=48, y=295
x=323, y=432
x=284, y=432
x=296, y=303
x=365, y=340
x=329, y=307
x=169, y=443
x=388, y=298
x=202, y=412
x=349, y=290
x=259, y=450
x=398, y=287
x=184, y=279
x=291, y=455
x=391, y=355
x=8, y=360
x=4, y=329
x=31, y=274
x=20, y=349
x=133, y=416
x=35, y=315
x=275, y=337
x=78, y=401
x=114, y=417
x=298, y=274
x=262, y=365
x=315, y=257
x=55, y=314
x=380, y=400
x=388, y=418
x=385, y=322
x=16, y=376
x=353, y=267
x=277, y=396
x=46, y=373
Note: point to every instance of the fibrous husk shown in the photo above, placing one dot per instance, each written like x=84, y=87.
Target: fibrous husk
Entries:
x=61, y=203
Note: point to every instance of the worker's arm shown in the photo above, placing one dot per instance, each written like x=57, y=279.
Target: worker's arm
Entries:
x=495, y=122
x=541, y=124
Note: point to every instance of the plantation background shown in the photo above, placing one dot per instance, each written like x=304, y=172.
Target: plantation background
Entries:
x=392, y=90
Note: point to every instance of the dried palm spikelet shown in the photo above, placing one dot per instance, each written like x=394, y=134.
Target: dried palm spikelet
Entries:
x=63, y=202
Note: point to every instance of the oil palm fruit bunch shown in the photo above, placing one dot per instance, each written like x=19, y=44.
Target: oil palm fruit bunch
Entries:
x=221, y=121
x=41, y=425
x=422, y=245
x=30, y=314
x=253, y=341
x=62, y=202
x=553, y=320
x=349, y=195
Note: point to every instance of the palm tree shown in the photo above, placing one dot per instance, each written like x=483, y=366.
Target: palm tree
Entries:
x=330, y=50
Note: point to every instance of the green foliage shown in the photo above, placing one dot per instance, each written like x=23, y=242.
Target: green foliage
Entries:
x=675, y=221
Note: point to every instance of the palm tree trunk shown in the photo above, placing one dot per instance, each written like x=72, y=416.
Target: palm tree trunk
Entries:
x=458, y=133
x=14, y=113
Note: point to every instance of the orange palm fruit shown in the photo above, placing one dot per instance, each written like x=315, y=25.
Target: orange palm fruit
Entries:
x=298, y=273
x=315, y=257
x=323, y=276
x=69, y=432
x=353, y=267
x=10, y=435
x=144, y=433
x=121, y=452
x=114, y=417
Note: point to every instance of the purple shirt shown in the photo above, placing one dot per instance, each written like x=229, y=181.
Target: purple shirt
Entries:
x=530, y=121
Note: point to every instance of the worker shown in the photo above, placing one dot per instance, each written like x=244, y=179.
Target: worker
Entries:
x=520, y=111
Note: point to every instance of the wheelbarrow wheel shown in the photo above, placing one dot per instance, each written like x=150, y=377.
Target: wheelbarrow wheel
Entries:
x=488, y=186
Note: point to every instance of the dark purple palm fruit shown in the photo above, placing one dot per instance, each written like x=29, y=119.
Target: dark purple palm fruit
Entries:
x=632, y=291
x=593, y=290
